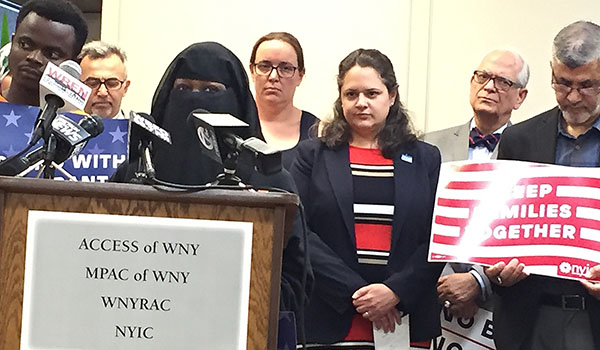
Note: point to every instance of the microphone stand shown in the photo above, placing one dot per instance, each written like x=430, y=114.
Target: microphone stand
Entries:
x=49, y=166
x=49, y=154
x=228, y=177
x=145, y=173
x=54, y=165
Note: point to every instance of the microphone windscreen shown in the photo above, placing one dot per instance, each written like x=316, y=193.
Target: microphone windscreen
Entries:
x=72, y=68
x=93, y=124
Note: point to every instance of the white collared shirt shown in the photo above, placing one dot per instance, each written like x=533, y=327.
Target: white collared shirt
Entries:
x=481, y=153
x=120, y=115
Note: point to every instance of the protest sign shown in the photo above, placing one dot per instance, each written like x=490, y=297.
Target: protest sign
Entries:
x=95, y=163
x=546, y=216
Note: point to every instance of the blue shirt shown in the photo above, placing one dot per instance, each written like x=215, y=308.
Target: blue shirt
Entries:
x=583, y=151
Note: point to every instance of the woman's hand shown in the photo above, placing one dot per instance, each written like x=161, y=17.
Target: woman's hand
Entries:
x=375, y=301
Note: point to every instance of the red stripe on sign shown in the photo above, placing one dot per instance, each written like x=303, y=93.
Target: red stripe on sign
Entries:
x=586, y=202
x=561, y=180
x=467, y=185
x=457, y=203
x=444, y=220
x=501, y=238
x=441, y=239
x=441, y=257
x=541, y=260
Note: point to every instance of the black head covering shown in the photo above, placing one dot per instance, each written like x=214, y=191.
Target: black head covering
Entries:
x=183, y=161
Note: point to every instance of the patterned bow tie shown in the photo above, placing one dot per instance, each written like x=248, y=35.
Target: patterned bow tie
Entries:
x=477, y=139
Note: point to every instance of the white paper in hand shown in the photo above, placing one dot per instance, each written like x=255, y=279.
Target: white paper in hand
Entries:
x=397, y=340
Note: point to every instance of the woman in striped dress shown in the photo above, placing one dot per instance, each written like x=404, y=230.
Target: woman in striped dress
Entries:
x=368, y=186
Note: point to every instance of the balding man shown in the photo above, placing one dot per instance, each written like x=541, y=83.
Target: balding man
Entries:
x=498, y=86
x=103, y=70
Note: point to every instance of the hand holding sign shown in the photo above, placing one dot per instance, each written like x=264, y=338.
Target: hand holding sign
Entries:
x=593, y=287
x=506, y=275
x=546, y=216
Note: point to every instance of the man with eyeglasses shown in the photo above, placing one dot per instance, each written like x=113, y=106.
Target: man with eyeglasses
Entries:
x=103, y=70
x=537, y=312
x=498, y=87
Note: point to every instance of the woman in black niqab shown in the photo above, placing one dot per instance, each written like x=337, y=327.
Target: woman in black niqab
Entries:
x=183, y=162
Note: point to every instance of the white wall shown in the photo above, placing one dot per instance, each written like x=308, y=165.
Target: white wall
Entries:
x=434, y=44
x=153, y=33
x=463, y=31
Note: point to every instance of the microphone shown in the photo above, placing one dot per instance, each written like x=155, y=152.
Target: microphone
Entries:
x=60, y=91
x=71, y=138
x=143, y=132
x=214, y=127
x=143, y=124
x=209, y=144
x=143, y=129
x=266, y=159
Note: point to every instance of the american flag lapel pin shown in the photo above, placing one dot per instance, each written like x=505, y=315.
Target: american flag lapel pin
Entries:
x=407, y=158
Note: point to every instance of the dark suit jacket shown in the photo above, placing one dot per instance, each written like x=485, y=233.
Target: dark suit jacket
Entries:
x=516, y=309
x=324, y=181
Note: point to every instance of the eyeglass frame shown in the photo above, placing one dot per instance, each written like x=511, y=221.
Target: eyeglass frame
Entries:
x=282, y=64
x=495, y=78
x=103, y=82
x=554, y=83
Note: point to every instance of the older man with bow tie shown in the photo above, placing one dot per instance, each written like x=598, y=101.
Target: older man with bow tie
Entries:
x=498, y=86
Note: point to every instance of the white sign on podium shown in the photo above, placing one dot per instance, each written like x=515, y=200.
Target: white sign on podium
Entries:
x=95, y=281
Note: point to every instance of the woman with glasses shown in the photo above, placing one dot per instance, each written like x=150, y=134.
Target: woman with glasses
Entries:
x=277, y=68
x=368, y=187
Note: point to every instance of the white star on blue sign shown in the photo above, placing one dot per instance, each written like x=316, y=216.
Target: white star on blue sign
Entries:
x=12, y=118
x=118, y=135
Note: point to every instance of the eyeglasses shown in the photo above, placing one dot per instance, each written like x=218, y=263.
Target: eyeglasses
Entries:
x=284, y=70
x=500, y=83
x=565, y=89
x=110, y=83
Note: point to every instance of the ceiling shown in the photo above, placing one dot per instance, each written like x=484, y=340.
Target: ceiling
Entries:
x=86, y=6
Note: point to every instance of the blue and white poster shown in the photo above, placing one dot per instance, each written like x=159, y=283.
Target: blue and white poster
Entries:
x=95, y=163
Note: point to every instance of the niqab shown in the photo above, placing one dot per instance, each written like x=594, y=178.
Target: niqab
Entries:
x=183, y=162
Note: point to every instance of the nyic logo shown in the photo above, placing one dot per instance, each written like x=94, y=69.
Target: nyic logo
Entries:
x=573, y=270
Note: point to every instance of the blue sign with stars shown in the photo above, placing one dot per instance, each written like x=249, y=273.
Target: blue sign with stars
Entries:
x=95, y=163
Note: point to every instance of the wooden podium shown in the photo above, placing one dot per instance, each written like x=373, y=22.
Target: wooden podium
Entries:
x=271, y=214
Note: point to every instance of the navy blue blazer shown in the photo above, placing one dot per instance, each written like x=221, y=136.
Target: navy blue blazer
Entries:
x=324, y=182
